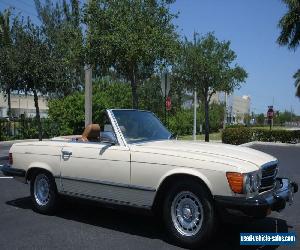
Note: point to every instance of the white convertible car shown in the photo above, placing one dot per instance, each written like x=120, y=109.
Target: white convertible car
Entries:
x=133, y=160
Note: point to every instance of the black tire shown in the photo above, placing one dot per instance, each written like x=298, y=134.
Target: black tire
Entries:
x=208, y=221
x=51, y=202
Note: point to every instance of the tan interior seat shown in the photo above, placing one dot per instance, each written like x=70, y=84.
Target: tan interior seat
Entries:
x=91, y=133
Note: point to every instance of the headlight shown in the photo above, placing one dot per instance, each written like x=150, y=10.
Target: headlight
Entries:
x=244, y=183
x=252, y=182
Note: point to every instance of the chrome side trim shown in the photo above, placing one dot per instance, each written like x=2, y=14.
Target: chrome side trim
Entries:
x=111, y=201
x=108, y=183
x=107, y=191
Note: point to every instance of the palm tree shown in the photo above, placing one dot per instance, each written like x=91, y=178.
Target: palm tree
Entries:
x=297, y=82
x=290, y=25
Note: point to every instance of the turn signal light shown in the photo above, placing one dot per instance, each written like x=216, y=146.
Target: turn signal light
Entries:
x=235, y=181
x=10, y=159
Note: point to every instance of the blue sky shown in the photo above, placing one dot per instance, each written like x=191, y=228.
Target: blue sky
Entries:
x=251, y=26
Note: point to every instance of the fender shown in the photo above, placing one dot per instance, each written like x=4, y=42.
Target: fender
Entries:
x=42, y=165
x=188, y=171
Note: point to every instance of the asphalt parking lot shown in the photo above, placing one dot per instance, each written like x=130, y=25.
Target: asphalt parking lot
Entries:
x=85, y=225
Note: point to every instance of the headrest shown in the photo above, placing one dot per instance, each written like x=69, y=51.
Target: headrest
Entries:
x=91, y=133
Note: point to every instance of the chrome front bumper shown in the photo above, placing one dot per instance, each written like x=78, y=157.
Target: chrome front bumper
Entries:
x=283, y=192
x=262, y=204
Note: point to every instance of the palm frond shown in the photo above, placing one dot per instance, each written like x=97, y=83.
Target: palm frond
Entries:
x=296, y=76
x=290, y=25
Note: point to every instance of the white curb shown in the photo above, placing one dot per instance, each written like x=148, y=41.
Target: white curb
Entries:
x=248, y=144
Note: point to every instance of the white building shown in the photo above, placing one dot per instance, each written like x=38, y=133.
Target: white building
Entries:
x=188, y=104
x=22, y=104
x=237, y=108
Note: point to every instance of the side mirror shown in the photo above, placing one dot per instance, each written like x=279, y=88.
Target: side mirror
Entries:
x=173, y=136
x=108, y=137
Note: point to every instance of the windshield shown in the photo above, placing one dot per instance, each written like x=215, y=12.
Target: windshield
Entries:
x=138, y=126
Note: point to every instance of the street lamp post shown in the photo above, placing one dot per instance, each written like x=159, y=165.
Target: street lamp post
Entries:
x=88, y=91
x=225, y=112
x=88, y=95
x=195, y=116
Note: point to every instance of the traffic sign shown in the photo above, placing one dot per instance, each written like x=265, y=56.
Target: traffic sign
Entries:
x=270, y=112
x=168, y=103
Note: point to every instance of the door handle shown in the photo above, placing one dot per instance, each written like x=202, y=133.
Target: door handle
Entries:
x=66, y=153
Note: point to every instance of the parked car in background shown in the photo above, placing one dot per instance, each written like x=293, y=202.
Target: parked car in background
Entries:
x=133, y=160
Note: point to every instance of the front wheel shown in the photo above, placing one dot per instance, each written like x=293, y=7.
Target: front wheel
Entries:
x=189, y=214
x=43, y=193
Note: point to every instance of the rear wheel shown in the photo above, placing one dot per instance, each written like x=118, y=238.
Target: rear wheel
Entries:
x=43, y=193
x=189, y=214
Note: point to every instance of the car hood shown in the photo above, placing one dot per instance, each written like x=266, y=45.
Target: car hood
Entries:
x=235, y=156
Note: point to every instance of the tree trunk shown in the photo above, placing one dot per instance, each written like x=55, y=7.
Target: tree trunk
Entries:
x=37, y=111
x=206, y=110
x=8, y=102
x=135, y=98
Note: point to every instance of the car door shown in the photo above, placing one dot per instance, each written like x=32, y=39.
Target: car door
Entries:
x=95, y=170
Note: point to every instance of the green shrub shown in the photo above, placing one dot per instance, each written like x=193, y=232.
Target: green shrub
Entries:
x=181, y=123
x=27, y=129
x=236, y=136
x=241, y=135
x=235, y=126
x=279, y=135
x=67, y=114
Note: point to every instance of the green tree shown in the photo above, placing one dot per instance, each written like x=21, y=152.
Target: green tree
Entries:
x=132, y=36
x=37, y=66
x=282, y=117
x=60, y=23
x=205, y=65
x=247, y=119
x=151, y=96
x=181, y=122
x=260, y=119
x=216, y=116
x=178, y=92
x=8, y=71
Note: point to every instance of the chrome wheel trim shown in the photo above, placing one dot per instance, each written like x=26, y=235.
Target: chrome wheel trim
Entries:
x=187, y=213
x=41, y=189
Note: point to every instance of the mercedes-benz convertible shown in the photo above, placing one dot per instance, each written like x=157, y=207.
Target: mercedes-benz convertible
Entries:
x=133, y=160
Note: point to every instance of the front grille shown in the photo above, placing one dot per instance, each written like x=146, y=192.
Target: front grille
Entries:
x=269, y=173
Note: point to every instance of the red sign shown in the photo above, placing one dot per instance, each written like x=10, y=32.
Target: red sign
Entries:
x=168, y=103
x=270, y=112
